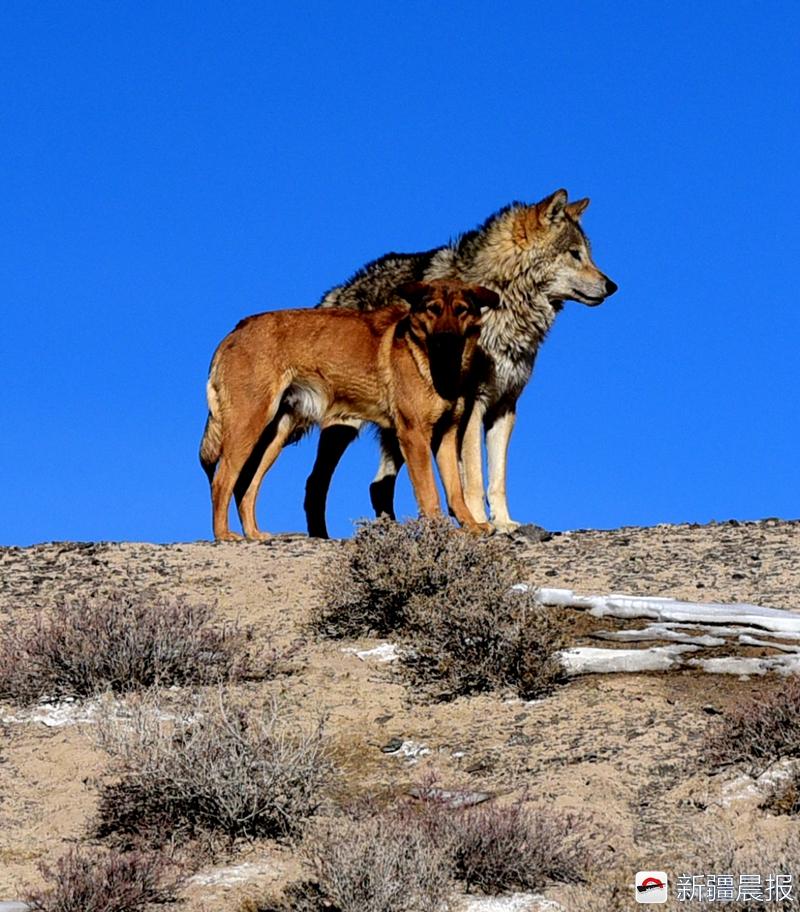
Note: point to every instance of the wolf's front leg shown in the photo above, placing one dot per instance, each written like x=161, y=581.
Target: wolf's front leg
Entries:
x=472, y=464
x=381, y=491
x=498, y=435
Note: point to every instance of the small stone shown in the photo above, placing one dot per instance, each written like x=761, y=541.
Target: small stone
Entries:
x=710, y=710
x=392, y=746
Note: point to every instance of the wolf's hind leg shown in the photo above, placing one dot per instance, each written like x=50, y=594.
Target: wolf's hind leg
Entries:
x=333, y=441
x=381, y=491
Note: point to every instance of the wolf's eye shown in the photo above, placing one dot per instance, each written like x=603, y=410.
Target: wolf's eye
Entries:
x=460, y=311
x=436, y=310
x=575, y=254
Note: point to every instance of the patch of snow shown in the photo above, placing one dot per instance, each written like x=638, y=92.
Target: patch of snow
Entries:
x=514, y=902
x=385, y=652
x=668, y=609
x=14, y=907
x=746, y=788
x=589, y=660
x=58, y=713
x=742, y=665
x=234, y=874
x=412, y=751
x=659, y=632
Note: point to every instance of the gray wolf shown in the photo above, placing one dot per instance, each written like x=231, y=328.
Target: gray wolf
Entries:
x=405, y=367
x=535, y=257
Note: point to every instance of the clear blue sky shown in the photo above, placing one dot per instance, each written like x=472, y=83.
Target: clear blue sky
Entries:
x=169, y=167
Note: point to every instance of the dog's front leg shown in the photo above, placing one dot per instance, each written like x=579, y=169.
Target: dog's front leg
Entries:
x=498, y=435
x=415, y=445
x=447, y=459
x=472, y=464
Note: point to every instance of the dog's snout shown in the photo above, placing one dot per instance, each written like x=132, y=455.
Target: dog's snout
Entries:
x=611, y=287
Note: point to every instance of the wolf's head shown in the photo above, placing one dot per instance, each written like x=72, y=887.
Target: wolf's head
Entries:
x=445, y=319
x=549, y=236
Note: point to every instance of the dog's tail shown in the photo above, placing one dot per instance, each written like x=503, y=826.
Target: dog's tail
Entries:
x=211, y=444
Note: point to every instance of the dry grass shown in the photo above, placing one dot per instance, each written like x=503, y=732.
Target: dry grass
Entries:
x=448, y=596
x=109, y=882
x=759, y=731
x=122, y=642
x=215, y=771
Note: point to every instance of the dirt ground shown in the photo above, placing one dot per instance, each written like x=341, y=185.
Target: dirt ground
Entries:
x=623, y=748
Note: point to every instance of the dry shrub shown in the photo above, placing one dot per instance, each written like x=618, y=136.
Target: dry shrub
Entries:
x=449, y=596
x=410, y=857
x=122, y=642
x=470, y=639
x=367, y=587
x=216, y=770
x=501, y=848
x=384, y=862
x=759, y=731
x=109, y=882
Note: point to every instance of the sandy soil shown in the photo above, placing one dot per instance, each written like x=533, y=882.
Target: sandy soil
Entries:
x=624, y=748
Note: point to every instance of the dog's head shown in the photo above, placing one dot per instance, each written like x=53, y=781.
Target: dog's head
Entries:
x=442, y=308
x=549, y=233
x=445, y=319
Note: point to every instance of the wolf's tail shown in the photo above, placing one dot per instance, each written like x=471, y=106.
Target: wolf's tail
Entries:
x=211, y=444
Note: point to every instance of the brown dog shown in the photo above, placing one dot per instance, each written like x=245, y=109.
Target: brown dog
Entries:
x=277, y=374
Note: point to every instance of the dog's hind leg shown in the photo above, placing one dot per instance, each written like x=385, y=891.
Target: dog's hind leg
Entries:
x=277, y=434
x=239, y=439
x=333, y=441
x=381, y=491
x=498, y=435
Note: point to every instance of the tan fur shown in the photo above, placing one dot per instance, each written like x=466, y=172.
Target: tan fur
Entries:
x=402, y=368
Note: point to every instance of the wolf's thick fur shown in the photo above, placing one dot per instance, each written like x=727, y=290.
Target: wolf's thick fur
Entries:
x=404, y=368
x=535, y=257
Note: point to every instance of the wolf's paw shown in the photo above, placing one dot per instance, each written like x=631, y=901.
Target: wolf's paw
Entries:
x=258, y=535
x=505, y=526
x=230, y=536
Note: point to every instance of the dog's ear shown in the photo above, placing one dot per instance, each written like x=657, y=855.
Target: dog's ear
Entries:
x=576, y=209
x=551, y=208
x=416, y=293
x=481, y=298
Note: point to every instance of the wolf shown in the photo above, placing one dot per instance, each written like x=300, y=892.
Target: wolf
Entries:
x=405, y=367
x=535, y=257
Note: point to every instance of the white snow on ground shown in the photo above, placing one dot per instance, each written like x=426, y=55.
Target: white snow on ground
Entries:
x=515, y=902
x=667, y=609
x=746, y=788
x=660, y=632
x=232, y=875
x=14, y=907
x=412, y=751
x=58, y=713
x=589, y=660
x=384, y=652
x=745, y=625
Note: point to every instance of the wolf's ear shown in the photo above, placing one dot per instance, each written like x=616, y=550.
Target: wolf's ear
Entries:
x=416, y=293
x=482, y=298
x=551, y=208
x=576, y=209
